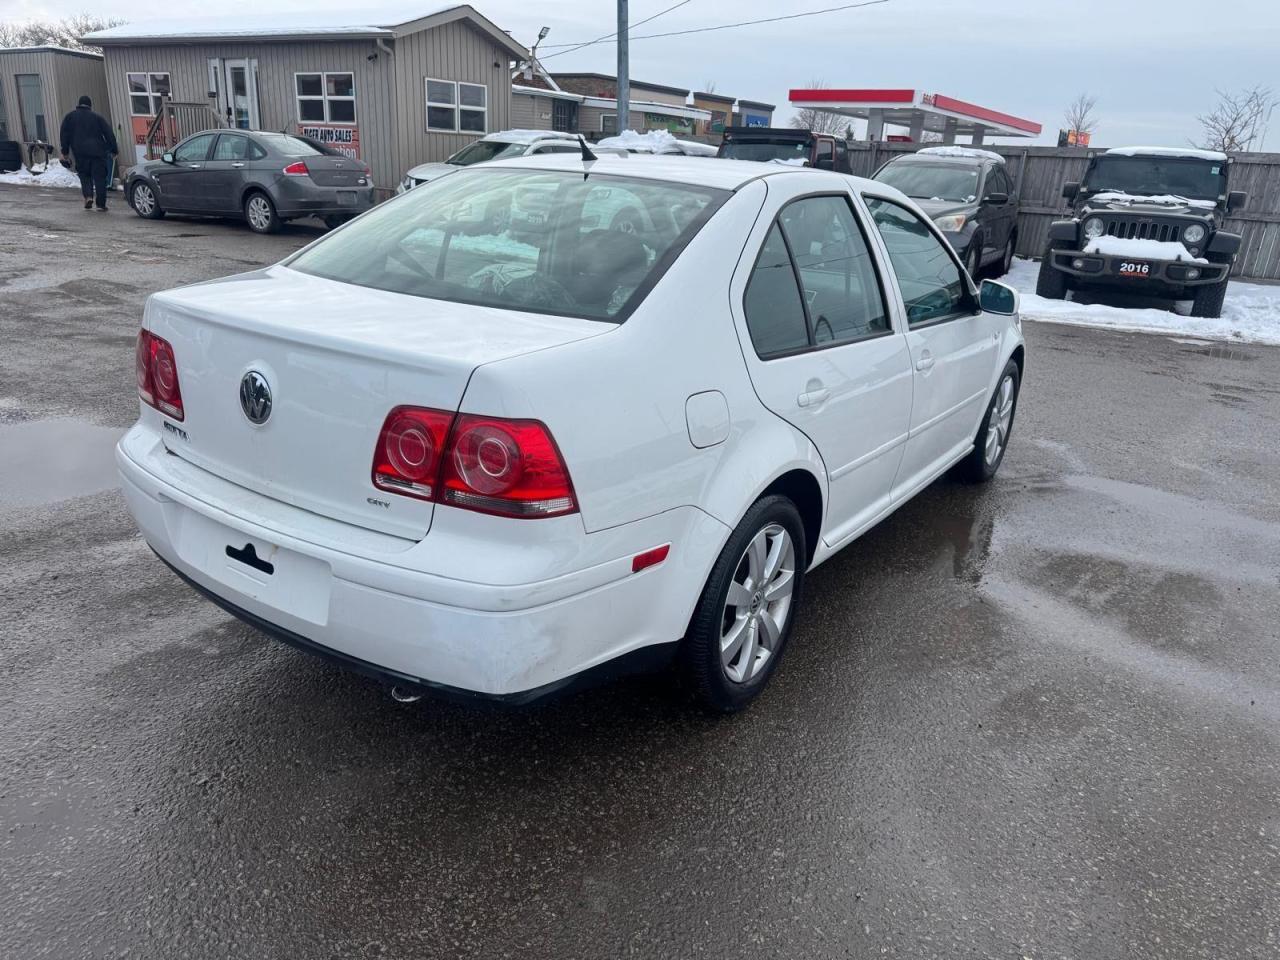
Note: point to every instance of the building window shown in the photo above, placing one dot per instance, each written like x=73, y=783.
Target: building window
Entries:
x=147, y=92
x=325, y=97
x=457, y=107
x=608, y=123
x=564, y=115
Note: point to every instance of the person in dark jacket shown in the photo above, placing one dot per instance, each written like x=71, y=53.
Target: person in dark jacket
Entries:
x=88, y=135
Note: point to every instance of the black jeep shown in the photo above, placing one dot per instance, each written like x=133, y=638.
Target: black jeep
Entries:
x=789, y=144
x=1147, y=220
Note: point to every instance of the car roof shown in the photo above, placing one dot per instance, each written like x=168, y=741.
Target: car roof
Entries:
x=941, y=159
x=675, y=168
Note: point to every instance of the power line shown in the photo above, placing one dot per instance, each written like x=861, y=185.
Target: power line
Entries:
x=607, y=36
x=730, y=26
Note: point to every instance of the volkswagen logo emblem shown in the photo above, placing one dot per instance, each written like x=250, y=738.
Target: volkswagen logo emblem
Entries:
x=255, y=397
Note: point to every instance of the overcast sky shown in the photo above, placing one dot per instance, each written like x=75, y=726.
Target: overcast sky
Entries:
x=1152, y=64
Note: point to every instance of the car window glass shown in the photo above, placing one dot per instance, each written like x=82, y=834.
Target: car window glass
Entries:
x=931, y=282
x=231, y=147
x=772, y=304
x=558, y=148
x=535, y=240
x=255, y=152
x=932, y=181
x=996, y=183
x=292, y=146
x=836, y=270
x=195, y=149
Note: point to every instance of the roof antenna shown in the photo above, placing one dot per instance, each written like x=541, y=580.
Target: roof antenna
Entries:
x=587, y=155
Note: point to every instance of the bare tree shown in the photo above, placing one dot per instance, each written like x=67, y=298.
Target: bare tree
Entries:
x=1236, y=120
x=54, y=33
x=1079, y=115
x=820, y=121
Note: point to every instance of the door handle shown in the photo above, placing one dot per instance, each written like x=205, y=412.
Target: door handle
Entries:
x=237, y=164
x=193, y=166
x=926, y=362
x=813, y=398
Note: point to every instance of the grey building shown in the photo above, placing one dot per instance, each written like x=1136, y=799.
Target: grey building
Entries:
x=395, y=92
x=38, y=85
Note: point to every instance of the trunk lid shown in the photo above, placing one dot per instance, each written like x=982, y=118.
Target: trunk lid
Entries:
x=336, y=358
x=330, y=171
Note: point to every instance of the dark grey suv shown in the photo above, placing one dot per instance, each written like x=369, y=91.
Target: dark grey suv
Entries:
x=266, y=178
x=970, y=197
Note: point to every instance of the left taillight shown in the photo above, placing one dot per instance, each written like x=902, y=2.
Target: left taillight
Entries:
x=297, y=169
x=157, y=370
x=510, y=468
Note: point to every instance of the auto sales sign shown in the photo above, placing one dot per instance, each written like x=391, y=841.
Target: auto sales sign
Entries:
x=344, y=139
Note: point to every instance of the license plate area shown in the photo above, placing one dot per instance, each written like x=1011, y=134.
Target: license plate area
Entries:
x=346, y=198
x=1133, y=269
x=279, y=578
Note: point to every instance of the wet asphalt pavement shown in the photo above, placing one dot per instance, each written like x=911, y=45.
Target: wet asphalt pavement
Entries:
x=1037, y=719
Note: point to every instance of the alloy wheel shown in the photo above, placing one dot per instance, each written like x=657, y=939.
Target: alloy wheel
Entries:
x=1000, y=420
x=259, y=212
x=758, y=603
x=144, y=201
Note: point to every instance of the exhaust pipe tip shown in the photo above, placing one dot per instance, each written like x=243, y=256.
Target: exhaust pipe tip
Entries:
x=403, y=696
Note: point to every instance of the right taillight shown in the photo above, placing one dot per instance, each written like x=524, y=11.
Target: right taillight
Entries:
x=157, y=371
x=511, y=468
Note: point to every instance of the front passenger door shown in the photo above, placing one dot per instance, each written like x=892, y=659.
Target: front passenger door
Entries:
x=219, y=187
x=954, y=345
x=177, y=181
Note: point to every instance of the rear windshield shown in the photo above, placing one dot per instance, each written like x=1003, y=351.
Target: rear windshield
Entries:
x=932, y=181
x=483, y=151
x=542, y=241
x=1158, y=176
x=292, y=146
x=765, y=151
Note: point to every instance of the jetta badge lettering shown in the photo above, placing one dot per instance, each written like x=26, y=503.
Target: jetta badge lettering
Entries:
x=255, y=397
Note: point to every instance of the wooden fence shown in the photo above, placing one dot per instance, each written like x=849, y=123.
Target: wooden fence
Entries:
x=1040, y=172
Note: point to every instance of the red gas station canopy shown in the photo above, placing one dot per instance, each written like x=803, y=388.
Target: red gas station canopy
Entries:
x=916, y=109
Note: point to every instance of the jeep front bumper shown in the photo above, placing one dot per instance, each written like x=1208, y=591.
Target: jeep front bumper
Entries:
x=1104, y=268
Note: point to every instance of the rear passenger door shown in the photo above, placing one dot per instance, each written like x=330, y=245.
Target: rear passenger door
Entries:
x=822, y=352
x=954, y=345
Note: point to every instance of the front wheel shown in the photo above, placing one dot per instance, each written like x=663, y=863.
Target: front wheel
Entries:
x=1006, y=263
x=973, y=259
x=143, y=200
x=1209, y=300
x=743, y=619
x=992, y=440
x=1052, y=282
x=260, y=213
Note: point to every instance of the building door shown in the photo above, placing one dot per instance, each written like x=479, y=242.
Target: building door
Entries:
x=241, y=95
x=31, y=107
x=564, y=115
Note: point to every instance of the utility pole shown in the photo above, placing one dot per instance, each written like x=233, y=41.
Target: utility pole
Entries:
x=624, y=69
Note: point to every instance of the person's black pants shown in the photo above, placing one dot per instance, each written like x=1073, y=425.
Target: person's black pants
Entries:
x=93, y=178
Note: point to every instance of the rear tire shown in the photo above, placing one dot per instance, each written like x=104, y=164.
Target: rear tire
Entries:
x=1051, y=283
x=743, y=619
x=335, y=220
x=1209, y=299
x=973, y=259
x=1006, y=262
x=145, y=203
x=992, y=441
x=260, y=213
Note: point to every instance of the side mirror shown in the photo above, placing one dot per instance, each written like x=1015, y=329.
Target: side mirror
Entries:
x=998, y=298
x=167, y=158
x=1071, y=190
x=1237, y=200
x=998, y=199
x=825, y=163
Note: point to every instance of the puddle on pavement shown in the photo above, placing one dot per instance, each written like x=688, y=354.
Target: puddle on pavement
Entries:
x=1225, y=351
x=44, y=461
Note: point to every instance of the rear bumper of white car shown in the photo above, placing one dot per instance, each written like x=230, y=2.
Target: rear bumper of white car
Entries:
x=384, y=612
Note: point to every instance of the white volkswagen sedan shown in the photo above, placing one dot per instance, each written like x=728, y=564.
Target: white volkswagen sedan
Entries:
x=478, y=442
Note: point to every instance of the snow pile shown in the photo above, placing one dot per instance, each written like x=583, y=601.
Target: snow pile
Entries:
x=1169, y=199
x=655, y=141
x=691, y=148
x=529, y=136
x=791, y=161
x=282, y=23
x=972, y=153
x=56, y=176
x=1251, y=313
x=1141, y=249
x=1186, y=153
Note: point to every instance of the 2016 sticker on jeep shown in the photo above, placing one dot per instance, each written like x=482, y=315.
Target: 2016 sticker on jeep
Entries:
x=1132, y=269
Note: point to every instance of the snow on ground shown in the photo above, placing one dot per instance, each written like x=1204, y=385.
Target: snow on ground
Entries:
x=1251, y=313
x=56, y=176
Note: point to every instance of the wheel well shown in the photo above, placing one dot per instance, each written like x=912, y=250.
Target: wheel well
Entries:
x=1019, y=357
x=801, y=488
